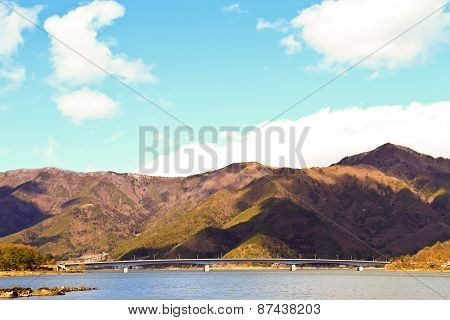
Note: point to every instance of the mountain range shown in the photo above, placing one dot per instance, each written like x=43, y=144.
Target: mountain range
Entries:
x=386, y=202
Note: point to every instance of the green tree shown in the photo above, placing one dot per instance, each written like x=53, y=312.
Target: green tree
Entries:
x=20, y=257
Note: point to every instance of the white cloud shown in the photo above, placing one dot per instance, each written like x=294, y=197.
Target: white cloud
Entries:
x=278, y=25
x=233, y=8
x=346, y=31
x=48, y=152
x=3, y=107
x=12, y=25
x=332, y=136
x=290, y=44
x=86, y=104
x=79, y=30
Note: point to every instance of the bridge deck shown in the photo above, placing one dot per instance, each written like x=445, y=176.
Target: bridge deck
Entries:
x=131, y=263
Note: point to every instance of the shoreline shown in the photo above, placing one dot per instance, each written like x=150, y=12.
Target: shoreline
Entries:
x=419, y=270
x=28, y=273
x=6, y=274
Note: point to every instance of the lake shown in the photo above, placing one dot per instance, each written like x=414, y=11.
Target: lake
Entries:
x=247, y=284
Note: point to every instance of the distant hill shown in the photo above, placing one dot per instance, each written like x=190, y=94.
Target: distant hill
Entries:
x=394, y=199
x=436, y=257
x=261, y=246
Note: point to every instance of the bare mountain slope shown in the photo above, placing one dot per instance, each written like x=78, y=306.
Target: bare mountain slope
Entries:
x=301, y=208
x=69, y=213
x=389, y=201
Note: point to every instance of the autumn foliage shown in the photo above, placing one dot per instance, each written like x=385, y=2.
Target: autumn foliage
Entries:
x=435, y=257
x=21, y=257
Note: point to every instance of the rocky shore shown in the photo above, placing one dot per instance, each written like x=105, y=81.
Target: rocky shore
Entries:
x=19, y=292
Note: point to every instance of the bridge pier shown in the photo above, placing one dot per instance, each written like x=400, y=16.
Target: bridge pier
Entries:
x=206, y=268
x=293, y=267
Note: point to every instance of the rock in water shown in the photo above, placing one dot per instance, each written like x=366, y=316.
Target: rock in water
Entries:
x=19, y=292
x=15, y=292
x=7, y=294
x=45, y=292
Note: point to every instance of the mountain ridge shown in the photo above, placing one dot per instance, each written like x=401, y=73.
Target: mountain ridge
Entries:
x=392, y=198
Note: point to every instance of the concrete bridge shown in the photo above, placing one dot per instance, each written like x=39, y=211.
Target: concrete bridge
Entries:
x=206, y=263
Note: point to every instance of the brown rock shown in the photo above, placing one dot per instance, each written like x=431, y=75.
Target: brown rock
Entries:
x=15, y=292
x=44, y=292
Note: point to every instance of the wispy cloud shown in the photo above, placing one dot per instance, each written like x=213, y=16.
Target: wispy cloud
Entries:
x=375, y=75
x=233, y=8
x=290, y=44
x=280, y=25
x=13, y=78
x=164, y=102
x=116, y=136
x=13, y=25
x=48, y=152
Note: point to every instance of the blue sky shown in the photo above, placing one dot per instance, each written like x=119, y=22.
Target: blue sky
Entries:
x=208, y=63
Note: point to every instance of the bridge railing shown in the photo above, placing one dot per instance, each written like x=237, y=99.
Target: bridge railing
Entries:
x=230, y=261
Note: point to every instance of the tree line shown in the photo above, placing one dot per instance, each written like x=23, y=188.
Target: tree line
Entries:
x=22, y=257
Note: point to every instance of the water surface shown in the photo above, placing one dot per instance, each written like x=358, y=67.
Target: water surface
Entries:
x=249, y=284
